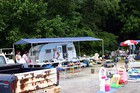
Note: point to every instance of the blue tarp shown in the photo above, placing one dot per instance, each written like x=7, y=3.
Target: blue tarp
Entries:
x=55, y=40
x=138, y=41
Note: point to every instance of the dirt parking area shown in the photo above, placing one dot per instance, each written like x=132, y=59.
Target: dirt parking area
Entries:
x=87, y=82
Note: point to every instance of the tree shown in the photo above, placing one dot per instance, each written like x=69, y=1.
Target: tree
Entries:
x=19, y=18
x=130, y=17
x=96, y=15
x=104, y=19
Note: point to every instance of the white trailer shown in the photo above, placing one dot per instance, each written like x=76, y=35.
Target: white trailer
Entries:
x=41, y=53
x=44, y=52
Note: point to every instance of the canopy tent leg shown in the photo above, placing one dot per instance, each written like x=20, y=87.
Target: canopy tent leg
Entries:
x=102, y=47
x=79, y=49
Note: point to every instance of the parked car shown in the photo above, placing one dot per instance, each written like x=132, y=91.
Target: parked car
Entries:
x=109, y=63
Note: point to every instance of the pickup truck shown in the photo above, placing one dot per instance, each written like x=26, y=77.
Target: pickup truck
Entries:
x=14, y=78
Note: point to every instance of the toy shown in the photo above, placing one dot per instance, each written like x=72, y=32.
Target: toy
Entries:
x=107, y=84
x=102, y=85
x=123, y=75
x=104, y=81
x=115, y=81
x=102, y=73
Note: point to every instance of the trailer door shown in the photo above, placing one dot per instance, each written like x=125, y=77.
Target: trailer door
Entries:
x=64, y=50
x=59, y=49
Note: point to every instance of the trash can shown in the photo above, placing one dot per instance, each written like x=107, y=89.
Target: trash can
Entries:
x=92, y=70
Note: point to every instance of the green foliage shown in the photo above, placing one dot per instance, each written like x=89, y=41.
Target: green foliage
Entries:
x=132, y=24
x=109, y=20
x=110, y=41
x=51, y=28
x=130, y=17
x=95, y=12
x=19, y=18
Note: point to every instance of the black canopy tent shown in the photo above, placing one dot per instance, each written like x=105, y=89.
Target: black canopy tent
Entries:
x=56, y=40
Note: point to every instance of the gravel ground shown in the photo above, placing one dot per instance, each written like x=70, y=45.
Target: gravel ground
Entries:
x=87, y=82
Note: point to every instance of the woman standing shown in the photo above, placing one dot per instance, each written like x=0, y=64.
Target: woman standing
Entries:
x=26, y=58
x=18, y=56
x=56, y=54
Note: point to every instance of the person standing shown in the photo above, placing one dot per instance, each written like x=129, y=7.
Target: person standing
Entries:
x=126, y=61
x=116, y=59
x=18, y=56
x=56, y=54
x=25, y=57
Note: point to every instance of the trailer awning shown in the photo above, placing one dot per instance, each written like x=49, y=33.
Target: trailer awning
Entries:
x=55, y=40
x=58, y=40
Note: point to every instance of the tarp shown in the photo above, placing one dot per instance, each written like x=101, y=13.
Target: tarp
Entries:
x=138, y=41
x=55, y=40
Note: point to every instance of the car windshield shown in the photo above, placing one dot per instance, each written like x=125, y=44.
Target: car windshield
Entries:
x=2, y=60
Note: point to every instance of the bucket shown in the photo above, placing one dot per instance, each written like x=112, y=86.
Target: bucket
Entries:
x=93, y=71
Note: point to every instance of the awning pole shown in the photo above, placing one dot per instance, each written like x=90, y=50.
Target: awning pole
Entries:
x=32, y=55
x=79, y=48
x=31, y=49
x=103, y=47
x=14, y=52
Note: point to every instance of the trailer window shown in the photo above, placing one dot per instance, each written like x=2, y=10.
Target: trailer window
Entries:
x=2, y=60
x=34, y=52
x=48, y=50
x=70, y=48
x=59, y=49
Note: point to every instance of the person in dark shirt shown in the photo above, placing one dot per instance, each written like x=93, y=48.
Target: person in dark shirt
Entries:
x=126, y=62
